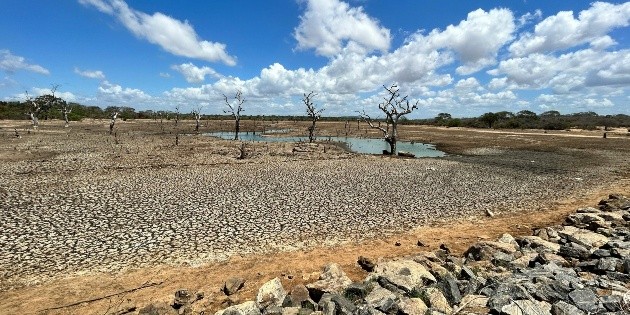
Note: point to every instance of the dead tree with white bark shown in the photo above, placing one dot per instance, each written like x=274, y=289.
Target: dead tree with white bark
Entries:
x=196, y=112
x=235, y=110
x=43, y=104
x=34, y=109
x=394, y=106
x=112, y=123
x=313, y=113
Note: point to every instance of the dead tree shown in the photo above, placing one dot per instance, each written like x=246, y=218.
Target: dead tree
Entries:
x=42, y=104
x=113, y=116
x=313, y=113
x=235, y=110
x=242, y=153
x=394, y=107
x=196, y=112
x=34, y=109
x=176, y=114
x=65, y=109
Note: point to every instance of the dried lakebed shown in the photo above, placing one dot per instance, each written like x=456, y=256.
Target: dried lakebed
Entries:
x=56, y=224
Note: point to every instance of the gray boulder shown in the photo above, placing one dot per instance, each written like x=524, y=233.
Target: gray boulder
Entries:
x=564, y=308
x=232, y=285
x=585, y=300
x=247, y=308
x=331, y=280
x=404, y=274
x=271, y=294
x=526, y=307
x=383, y=300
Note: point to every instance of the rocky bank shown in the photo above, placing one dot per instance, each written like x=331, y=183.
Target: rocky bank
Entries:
x=580, y=267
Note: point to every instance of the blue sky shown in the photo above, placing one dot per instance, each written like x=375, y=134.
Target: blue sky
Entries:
x=461, y=57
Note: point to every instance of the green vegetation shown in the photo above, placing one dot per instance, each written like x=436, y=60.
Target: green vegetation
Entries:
x=525, y=119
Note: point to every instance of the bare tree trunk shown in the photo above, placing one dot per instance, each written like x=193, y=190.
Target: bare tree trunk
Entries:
x=34, y=120
x=237, y=127
x=196, y=124
x=65, y=118
x=242, y=153
x=112, y=123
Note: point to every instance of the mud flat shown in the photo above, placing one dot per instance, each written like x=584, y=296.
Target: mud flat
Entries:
x=77, y=201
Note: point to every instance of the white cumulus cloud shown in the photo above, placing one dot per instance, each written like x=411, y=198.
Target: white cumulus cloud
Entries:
x=114, y=93
x=174, y=36
x=92, y=74
x=329, y=24
x=563, y=31
x=12, y=63
x=476, y=39
x=194, y=74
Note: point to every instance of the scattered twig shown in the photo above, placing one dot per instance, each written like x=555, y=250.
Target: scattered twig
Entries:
x=143, y=286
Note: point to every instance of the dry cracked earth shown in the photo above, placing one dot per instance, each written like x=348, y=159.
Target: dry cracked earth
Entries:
x=75, y=201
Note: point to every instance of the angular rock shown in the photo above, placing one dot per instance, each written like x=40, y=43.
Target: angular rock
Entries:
x=585, y=300
x=608, y=264
x=483, y=250
x=546, y=258
x=434, y=298
x=383, y=300
x=412, y=306
x=356, y=291
x=575, y=251
x=526, y=307
x=601, y=253
x=612, y=303
x=552, y=291
x=507, y=239
x=564, y=308
x=366, y=263
x=331, y=280
x=247, y=308
x=523, y=261
x=297, y=295
x=343, y=306
x=505, y=294
x=583, y=237
x=473, y=301
x=405, y=275
x=271, y=294
x=450, y=289
x=537, y=242
x=182, y=298
x=502, y=259
x=232, y=285
x=582, y=219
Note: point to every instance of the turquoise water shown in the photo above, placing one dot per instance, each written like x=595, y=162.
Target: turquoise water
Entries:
x=357, y=145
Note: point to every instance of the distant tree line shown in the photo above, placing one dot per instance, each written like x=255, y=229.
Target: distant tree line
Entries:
x=525, y=119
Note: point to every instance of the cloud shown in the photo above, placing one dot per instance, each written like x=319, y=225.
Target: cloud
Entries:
x=174, y=36
x=12, y=63
x=194, y=74
x=563, y=31
x=114, y=93
x=477, y=39
x=568, y=72
x=328, y=24
x=96, y=74
x=165, y=74
x=66, y=96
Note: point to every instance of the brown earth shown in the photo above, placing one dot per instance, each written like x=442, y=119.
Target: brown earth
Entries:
x=302, y=266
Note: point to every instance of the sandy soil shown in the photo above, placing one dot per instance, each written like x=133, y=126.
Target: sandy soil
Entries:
x=298, y=266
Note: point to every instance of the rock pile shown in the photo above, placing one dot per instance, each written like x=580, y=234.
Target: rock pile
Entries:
x=581, y=267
